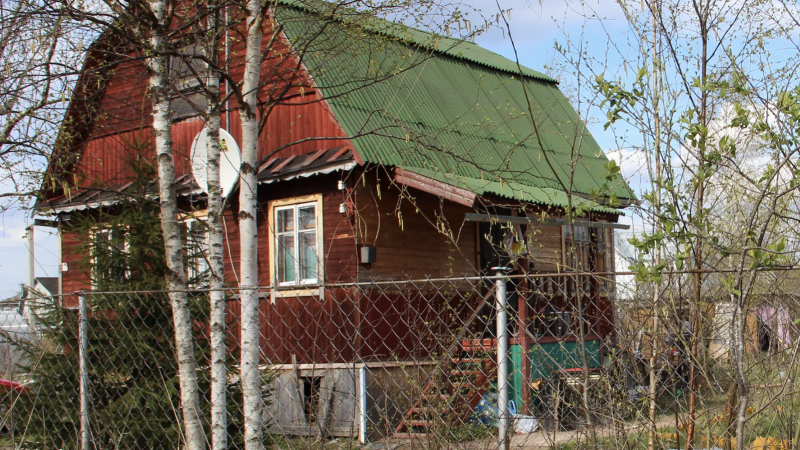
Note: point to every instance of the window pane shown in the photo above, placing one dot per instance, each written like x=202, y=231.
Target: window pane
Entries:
x=581, y=234
x=308, y=220
x=308, y=256
x=285, y=220
x=118, y=240
x=286, y=259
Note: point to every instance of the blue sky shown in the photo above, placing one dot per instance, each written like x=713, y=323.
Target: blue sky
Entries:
x=535, y=28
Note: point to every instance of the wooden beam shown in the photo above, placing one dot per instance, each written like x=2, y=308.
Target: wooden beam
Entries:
x=446, y=191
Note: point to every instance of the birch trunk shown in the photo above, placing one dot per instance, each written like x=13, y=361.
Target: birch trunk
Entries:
x=652, y=397
x=250, y=345
x=219, y=375
x=741, y=371
x=176, y=280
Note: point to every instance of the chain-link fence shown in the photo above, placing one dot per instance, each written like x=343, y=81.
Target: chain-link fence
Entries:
x=535, y=360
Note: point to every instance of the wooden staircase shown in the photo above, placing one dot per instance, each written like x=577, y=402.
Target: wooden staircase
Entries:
x=456, y=386
x=451, y=393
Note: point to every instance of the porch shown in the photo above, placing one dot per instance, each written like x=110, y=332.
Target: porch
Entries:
x=404, y=359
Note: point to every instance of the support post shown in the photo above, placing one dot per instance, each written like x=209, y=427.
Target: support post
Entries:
x=362, y=404
x=522, y=340
x=31, y=259
x=60, y=255
x=503, y=418
x=83, y=348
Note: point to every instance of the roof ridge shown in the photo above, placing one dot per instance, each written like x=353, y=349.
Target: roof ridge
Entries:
x=460, y=48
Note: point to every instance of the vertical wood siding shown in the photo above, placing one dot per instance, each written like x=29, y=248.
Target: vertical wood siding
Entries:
x=74, y=279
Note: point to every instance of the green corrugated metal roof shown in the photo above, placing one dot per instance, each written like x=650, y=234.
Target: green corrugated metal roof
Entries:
x=461, y=114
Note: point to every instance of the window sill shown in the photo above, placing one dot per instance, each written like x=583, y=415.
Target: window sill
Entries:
x=297, y=291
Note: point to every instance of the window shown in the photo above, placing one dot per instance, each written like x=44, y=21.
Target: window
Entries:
x=296, y=265
x=108, y=264
x=579, y=259
x=187, y=95
x=296, y=249
x=196, y=246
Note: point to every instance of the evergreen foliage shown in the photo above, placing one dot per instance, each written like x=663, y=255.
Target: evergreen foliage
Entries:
x=133, y=369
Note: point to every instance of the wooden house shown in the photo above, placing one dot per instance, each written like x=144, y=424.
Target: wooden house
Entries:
x=394, y=177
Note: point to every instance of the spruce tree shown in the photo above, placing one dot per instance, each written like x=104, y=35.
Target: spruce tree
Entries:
x=133, y=370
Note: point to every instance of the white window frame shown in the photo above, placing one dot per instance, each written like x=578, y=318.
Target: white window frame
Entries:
x=296, y=234
x=298, y=287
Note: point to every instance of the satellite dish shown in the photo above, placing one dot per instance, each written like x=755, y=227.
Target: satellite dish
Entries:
x=230, y=160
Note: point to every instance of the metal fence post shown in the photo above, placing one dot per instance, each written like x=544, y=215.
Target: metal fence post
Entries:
x=83, y=348
x=503, y=414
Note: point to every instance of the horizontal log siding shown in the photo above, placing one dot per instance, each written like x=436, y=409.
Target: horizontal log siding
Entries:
x=406, y=235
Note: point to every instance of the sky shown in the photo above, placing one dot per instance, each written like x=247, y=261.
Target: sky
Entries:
x=535, y=28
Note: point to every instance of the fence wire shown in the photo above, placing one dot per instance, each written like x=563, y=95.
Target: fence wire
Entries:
x=594, y=361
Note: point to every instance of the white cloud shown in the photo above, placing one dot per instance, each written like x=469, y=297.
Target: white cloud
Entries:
x=633, y=163
x=536, y=26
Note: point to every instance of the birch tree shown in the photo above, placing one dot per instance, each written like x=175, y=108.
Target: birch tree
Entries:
x=219, y=348
x=176, y=279
x=248, y=205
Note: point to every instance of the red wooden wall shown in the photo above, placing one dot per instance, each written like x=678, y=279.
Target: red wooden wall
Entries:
x=124, y=116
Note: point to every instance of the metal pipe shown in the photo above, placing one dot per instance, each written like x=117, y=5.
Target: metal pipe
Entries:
x=362, y=407
x=31, y=260
x=84, y=371
x=60, y=235
x=472, y=217
x=503, y=416
x=228, y=73
x=418, y=282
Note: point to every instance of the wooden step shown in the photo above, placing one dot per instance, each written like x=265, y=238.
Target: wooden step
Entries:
x=411, y=435
x=425, y=396
x=419, y=423
x=421, y=410
x=462, y=372
x=468, y=360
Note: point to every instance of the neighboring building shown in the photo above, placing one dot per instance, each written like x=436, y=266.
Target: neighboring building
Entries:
x=43, y=287
x=39, y=299
x=625, y=256
x=374, y=203
x=13, y=327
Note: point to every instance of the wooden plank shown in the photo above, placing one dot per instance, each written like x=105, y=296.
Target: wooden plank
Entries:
x=287, y=405
x=438, y=188
x=345, y=406
x=124, y=105
x=296, y=376
x=325, y=405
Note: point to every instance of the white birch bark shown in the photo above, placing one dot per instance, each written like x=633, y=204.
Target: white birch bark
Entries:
x=250, y=345
x=219, y=375
x=652, y=395
x=740, y=349
x=176, y=279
